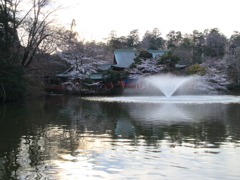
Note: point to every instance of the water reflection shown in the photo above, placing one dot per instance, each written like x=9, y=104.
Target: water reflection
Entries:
x=67, y=138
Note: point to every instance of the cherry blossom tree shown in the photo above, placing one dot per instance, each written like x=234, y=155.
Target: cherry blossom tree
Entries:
x=144, y=65
x=237, y=65
x=147, y=67
x=234, y=65
x=216, y=78
x=82, y=57
x=81, y=66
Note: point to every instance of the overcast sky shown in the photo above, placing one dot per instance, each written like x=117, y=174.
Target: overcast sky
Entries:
x=96, y=18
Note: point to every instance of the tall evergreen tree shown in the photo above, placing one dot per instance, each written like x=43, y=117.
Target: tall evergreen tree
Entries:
x=11, y=74
x=215, y=43
x=153, y=40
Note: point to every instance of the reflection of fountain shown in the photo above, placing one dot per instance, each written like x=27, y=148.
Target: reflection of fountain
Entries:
x=169, y=114
x=168, y=83
x=162, y=113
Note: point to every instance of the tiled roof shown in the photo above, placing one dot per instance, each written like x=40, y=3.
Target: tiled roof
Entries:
x=157, y=52
x=124, y=58
x=96, y=75
x=104, y=67
x=180, y=66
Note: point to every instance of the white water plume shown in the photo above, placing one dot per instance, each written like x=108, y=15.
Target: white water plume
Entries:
x=169, y=83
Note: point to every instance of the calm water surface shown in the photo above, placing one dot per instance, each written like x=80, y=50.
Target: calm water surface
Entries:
x=71, y=138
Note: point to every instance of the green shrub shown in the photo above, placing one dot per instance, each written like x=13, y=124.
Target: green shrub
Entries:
x=196, y=69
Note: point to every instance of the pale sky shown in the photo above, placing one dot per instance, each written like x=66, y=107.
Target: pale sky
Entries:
x=96, y=18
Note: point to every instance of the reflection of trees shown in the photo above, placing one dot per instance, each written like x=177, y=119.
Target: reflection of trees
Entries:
x=11, y=129
x=89, y=123
x=25, y=132
x=38, y=132
x=23, y=137
x=195, y=124
x=198, y=135
x=232, y=121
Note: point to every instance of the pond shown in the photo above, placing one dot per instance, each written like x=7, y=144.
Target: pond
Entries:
x=72, y=138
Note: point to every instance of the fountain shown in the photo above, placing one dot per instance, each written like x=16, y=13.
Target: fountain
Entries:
x=168, y=84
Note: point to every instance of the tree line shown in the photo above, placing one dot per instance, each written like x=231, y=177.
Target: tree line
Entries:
x=192, y=48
